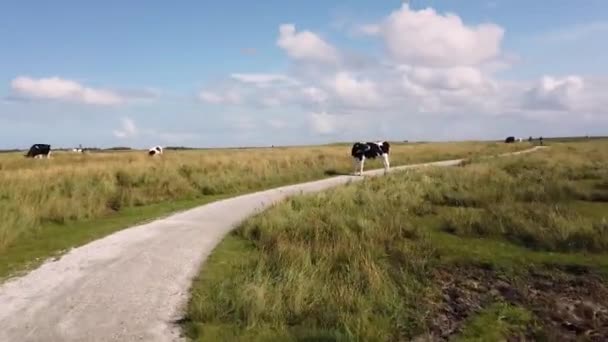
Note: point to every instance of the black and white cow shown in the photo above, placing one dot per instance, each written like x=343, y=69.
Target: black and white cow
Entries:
x=370, y=150
x=155, y=151
x=39, y=151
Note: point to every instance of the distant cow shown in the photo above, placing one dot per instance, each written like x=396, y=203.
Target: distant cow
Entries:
x=510, y=140
x=39, y=151
x=370, y=150
x=155, y=151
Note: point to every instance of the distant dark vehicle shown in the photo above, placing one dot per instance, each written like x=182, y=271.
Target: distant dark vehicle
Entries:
x=39, y=151
x=510, y=140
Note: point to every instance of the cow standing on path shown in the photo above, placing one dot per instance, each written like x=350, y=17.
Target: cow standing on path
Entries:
x=39, y=151
x=370, y=150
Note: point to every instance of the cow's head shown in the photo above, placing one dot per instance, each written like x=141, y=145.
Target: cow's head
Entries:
x=385, y=147
x=358, y=149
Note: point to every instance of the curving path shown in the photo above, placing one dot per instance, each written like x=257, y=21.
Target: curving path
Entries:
x=131, y=285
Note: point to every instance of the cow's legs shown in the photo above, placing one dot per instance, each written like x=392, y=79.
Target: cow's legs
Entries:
x=355, y=164
x=48, y=156
x=385, y=162
x=361, y=162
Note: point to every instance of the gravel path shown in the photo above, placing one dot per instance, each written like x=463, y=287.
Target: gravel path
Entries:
x=130, y=286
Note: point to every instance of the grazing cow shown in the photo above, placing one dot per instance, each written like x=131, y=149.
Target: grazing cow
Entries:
x=370, y=150
x=510, y=140
x=155, y=151
x=39, y=151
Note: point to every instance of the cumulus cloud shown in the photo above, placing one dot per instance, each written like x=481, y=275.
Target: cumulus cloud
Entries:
x=127, y=130
x=434, y=65
x=455, y=78
x=355, y=92
x=428, y=38
x=55, y=88
x=554, y=99
x=305, y=45
x=560, y=94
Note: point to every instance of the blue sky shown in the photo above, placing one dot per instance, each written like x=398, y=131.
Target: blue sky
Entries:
x=208, y=73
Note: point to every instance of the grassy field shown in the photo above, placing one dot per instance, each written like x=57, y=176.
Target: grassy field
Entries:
x=47, y=206
x=511, y=248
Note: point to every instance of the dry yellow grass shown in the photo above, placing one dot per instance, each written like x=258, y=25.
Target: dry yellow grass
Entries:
x=74, y=187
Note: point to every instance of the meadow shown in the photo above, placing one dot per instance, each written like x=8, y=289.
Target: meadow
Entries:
x=496, y=249
x=48, y=206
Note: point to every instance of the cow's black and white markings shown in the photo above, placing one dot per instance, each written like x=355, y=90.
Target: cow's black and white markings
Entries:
x=39, y=151
x=370, y=150
x=155, y=151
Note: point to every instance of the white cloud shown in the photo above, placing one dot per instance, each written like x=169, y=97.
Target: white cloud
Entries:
x=435, y=66
x=369, y=29
x=449, y=78
x=427, y=38
x=355, y=92
x=314, y=94
x=305, y=45
x=230, y=97
x=323, y=123
x=561, y=94
x=262, y=80
x=56, y=88
x=127, y=130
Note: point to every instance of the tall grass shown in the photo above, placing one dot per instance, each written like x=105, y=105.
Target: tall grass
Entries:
x=531, y=200
x=77, y=187
x=356, y=263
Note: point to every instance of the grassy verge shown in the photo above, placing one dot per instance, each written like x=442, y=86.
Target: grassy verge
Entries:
x=421, y=254
x=48, y=206
x=54, y=239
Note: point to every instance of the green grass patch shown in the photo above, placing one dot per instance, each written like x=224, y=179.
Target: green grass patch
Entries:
x=360, y=262
x=53, y=239
x=496, y=323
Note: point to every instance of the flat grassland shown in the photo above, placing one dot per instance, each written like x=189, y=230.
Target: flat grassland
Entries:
x=48, y=206
x=512, y=248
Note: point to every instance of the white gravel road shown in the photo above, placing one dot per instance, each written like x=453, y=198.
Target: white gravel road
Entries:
x=131, y=285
